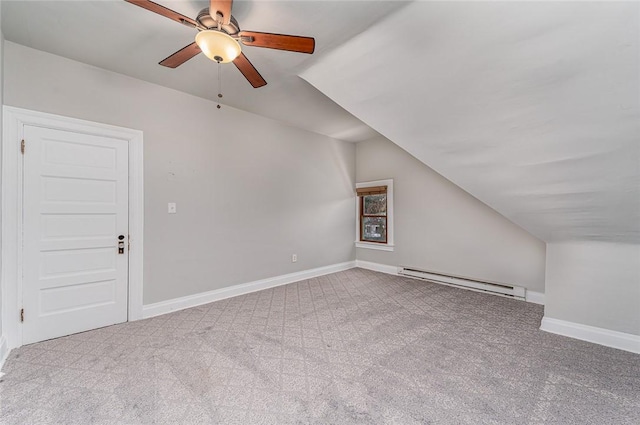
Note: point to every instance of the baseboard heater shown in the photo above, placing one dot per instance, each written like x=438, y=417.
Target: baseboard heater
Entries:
x=465, y=282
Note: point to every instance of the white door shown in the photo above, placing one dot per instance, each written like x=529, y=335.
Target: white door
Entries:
x=75, y=207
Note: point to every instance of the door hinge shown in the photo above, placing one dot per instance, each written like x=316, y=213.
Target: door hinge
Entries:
x=22, y=147
x=129, y=243
x=22, y=315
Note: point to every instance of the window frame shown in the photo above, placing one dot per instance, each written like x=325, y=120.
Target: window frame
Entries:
x=381, y=246
x=363, y=216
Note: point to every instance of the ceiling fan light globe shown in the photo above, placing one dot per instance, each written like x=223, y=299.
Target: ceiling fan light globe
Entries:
x=218, y=46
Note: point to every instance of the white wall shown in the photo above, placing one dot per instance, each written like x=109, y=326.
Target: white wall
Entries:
x=249, y=191
x=440, y=227
x=595, y=284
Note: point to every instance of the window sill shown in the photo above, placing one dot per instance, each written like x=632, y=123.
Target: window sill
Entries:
x=377, y=246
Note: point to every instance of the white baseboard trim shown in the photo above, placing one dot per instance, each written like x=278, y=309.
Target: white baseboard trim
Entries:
x=614, y=339
x=377, y=267
x=163, y=307
x=4, y=352
x=535, y=297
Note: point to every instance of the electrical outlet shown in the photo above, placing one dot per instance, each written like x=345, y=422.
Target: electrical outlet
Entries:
x=294, y=258
x=171, y=207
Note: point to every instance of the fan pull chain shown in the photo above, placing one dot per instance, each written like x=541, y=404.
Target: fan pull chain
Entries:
x=219, y=85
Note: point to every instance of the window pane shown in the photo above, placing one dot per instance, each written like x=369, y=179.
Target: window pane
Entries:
x=375, y=204
x=374, y=229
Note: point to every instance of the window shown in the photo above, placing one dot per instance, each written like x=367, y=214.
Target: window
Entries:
x=375, y=215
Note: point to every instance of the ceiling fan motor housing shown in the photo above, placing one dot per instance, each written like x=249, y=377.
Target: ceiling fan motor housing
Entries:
x=205, y=20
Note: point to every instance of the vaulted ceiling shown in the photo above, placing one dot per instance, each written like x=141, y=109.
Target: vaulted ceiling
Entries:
x=532, y=107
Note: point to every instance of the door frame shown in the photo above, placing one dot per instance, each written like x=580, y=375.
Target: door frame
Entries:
x=14, y=120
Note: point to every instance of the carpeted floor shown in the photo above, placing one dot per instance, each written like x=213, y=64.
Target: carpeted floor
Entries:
x=351, y=347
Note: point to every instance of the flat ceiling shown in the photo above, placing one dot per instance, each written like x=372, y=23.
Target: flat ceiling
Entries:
x=127, y=39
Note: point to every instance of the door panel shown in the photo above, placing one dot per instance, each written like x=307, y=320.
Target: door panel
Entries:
x=65, y=261
x=75, y=206
x=71, y=297
x=60, y=227
x=65, y=153
x=79, y=190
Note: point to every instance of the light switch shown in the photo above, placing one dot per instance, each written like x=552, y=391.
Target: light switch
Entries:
x=171, y=207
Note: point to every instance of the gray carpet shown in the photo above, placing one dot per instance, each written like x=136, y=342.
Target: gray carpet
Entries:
x=352, y=347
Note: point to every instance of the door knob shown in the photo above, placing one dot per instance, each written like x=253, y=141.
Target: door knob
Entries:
x=121, y=244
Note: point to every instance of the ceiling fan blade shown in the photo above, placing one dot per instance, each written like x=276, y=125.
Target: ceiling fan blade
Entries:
x=249, y=71
x=166, y=12
x=181, y=56
x=291, y=43
x=221, y=7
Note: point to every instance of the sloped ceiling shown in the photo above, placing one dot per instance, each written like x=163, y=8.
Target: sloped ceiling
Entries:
x=532, y=107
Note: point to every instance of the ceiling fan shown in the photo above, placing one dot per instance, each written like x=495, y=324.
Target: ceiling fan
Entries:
x=219, y=37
